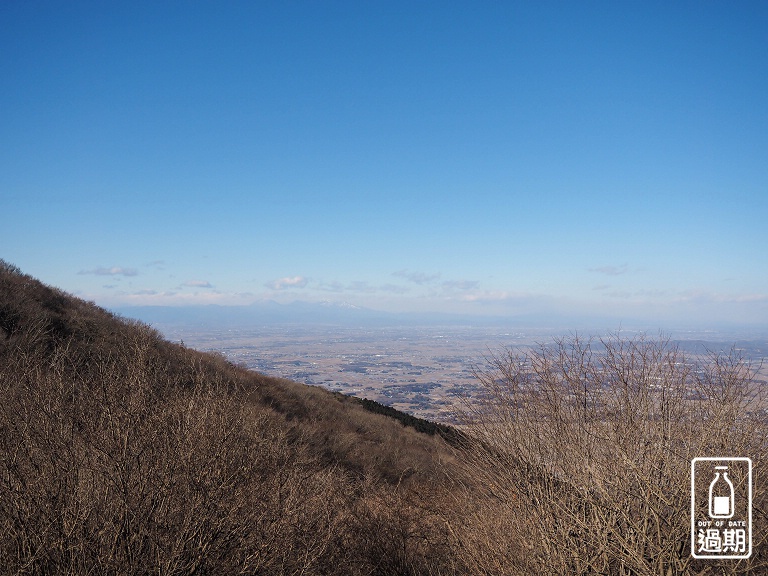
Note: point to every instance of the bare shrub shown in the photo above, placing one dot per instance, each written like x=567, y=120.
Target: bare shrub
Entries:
x=396, y=529
x=135, y=466
x=125, y=454
x=580, y=455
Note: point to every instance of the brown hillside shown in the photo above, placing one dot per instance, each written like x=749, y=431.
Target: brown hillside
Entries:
x=126, y=454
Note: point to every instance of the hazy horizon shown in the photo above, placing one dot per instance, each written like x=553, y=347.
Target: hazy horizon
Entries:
x=584, y=160
x=188, y=319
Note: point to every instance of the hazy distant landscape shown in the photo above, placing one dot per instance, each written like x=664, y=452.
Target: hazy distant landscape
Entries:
x=421, y=368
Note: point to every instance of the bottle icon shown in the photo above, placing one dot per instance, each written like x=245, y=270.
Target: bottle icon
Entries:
x=721, y=494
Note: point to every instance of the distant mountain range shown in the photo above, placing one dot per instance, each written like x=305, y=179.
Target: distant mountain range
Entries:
x=260, y=313
x=269, y=312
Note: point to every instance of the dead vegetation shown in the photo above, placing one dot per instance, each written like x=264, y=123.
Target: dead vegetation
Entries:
x=125, y=454
x=581, y=456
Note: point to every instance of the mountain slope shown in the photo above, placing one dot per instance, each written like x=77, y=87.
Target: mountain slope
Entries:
x=124, y=453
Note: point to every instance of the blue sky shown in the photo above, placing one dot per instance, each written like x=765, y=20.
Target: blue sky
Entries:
x=477, y=157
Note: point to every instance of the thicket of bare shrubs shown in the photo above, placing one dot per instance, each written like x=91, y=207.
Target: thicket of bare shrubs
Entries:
x=124, y=454
x=580, y=458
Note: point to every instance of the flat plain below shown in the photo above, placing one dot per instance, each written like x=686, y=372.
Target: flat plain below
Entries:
x=426, y=371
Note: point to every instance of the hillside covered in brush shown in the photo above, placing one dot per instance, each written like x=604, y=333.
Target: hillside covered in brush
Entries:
x=126, y=454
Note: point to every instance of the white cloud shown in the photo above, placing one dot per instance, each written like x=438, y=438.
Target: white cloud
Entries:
x=172, y=298
x=417, y=277
x=394, y=288
x=198, y=284
x=502, y=297
x=331, y=287
x=702, y=296
x=619, y=294
x=493, y=296
x=610, y=270
x=112, y=271
x=287, y=282
x=360, y=286
x=460, y=284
